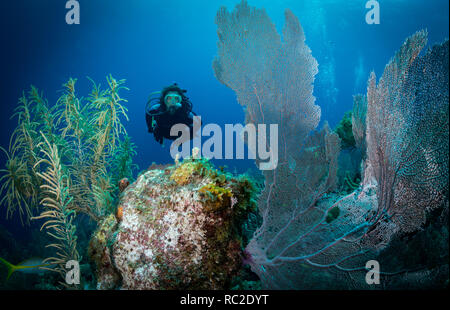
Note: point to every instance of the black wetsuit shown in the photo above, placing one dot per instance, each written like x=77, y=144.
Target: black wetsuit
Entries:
x=165, y=121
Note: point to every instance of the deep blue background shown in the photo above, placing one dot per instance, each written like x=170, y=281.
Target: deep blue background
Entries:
x=153, y=43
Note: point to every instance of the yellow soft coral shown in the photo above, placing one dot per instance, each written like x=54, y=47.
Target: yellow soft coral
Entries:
x=187, y=170
x=182, y=174
x=217, y=197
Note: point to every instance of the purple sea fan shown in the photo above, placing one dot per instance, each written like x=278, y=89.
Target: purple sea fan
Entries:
x=273, y=80
x=309, y=240
x=407, y=136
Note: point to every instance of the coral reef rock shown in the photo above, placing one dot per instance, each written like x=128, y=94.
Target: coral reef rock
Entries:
x=181, y=228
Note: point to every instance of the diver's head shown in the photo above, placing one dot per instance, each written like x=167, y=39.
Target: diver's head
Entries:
x=172, y=101
x=173, y=98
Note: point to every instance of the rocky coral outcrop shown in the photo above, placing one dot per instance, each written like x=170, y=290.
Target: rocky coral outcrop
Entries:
x=180, y=228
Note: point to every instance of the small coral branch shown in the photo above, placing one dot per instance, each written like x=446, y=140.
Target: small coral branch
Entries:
x=57, y=213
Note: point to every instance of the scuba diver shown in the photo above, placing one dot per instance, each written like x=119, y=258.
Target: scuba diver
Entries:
x=169, y=107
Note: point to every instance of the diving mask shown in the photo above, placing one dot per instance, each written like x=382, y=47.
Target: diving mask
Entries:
x=173, y=100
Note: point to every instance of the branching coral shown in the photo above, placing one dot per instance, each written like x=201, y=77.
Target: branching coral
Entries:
x=20, y=182
x=92, y=142
x=108, y=108
x=57, y=212
x=72, y=166
x=70, y=114
x=17, y=188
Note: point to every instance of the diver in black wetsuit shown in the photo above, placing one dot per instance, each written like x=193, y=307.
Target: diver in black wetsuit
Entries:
x=172, y=107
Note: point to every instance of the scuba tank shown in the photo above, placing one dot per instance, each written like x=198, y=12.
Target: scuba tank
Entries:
x=152, y=100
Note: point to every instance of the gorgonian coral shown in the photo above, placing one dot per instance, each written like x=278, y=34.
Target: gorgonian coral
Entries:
x=307, y=240
x=93, y=146
x=67, y=159
x=273, y=81
x=57, y=212
x=407, y=135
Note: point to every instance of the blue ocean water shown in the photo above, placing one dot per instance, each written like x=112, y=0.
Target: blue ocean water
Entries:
x=153, y=43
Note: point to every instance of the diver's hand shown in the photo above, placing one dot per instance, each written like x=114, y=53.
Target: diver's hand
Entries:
x=153, y=123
